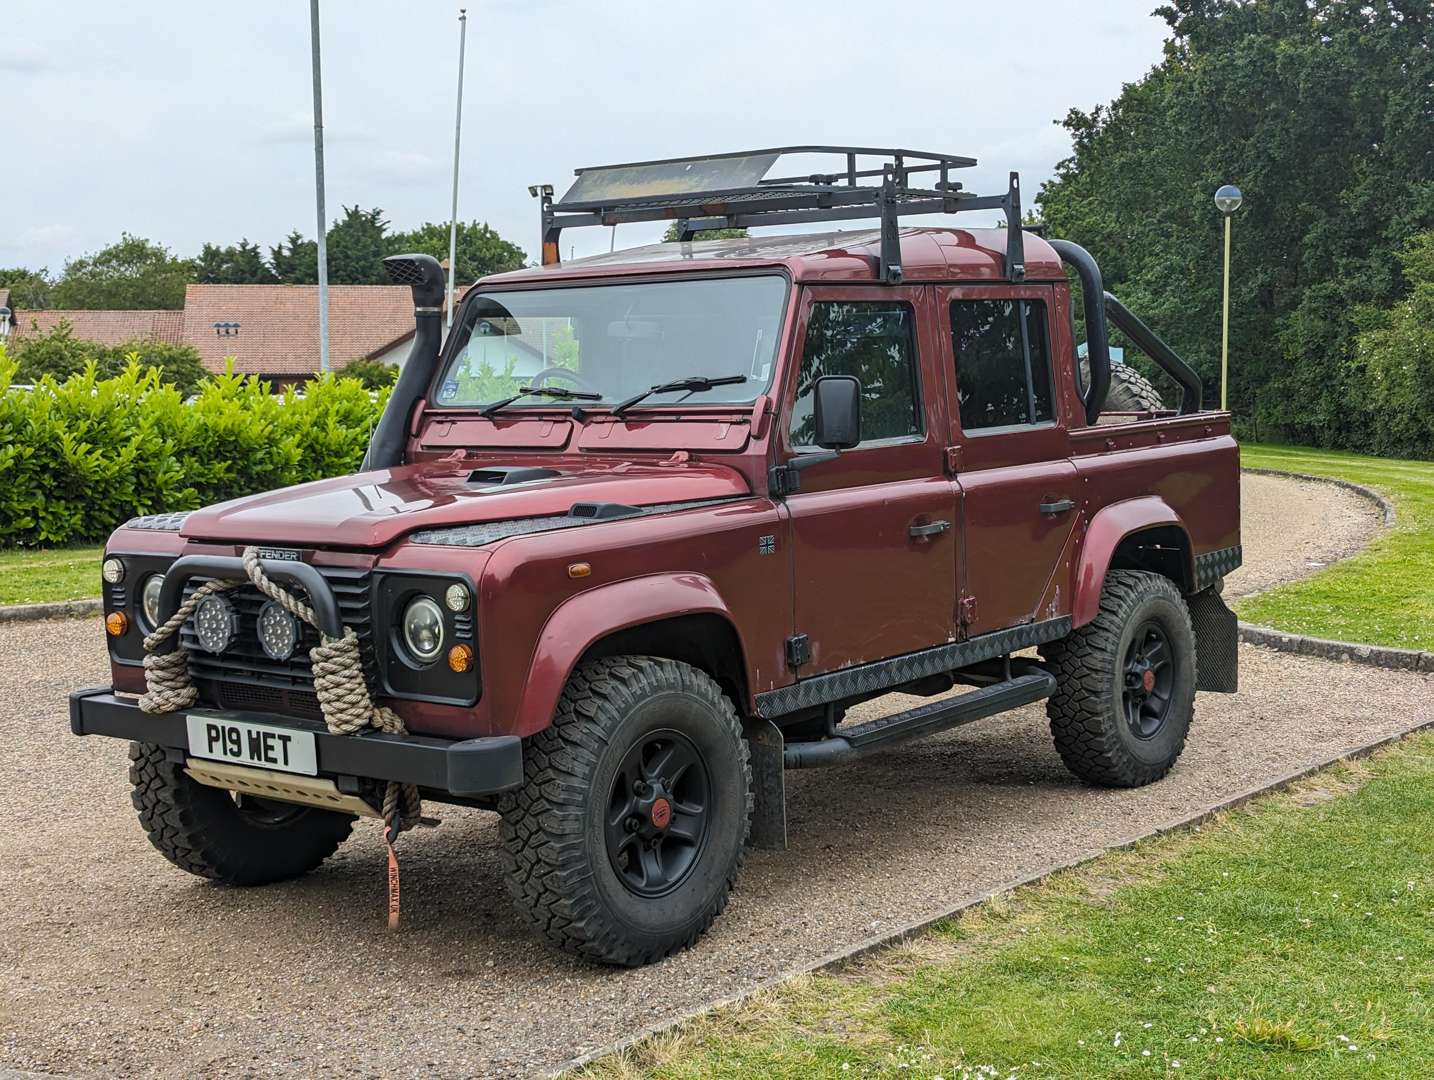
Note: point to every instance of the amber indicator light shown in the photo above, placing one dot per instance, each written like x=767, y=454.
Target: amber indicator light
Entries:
x=116, y=624
x=460, y=658
x=579, y=569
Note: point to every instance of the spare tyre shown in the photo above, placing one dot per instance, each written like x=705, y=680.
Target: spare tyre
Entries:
x=1130, y=391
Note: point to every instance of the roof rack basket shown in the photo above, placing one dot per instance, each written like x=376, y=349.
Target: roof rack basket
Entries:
x=733, y=191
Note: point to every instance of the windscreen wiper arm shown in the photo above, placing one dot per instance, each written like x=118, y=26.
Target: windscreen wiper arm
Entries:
x=560, y=392
x=691, y=385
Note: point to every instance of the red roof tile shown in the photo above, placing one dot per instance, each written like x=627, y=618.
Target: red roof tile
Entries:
x=106, y=327
x=278, y=331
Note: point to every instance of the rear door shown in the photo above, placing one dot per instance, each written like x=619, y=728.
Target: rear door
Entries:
x=874, y=533
x=1012, y=454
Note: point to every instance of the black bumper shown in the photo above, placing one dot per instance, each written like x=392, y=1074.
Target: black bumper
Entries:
x=465, y=767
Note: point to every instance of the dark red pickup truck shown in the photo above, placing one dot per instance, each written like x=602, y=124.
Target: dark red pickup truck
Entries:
x=634, y=538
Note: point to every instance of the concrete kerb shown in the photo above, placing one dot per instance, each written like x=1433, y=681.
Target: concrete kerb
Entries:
x=67, y=609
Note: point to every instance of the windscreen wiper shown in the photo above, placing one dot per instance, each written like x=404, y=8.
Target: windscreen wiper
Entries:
x=691, y=385
x=562, y=393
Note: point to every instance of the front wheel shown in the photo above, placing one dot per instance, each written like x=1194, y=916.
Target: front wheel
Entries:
x=626, y=838
x=1125, y=683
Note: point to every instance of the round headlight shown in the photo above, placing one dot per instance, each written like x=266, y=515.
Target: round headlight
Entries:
x=112, y=570
x=278, y=631
x=149, y=599
x=215, y=623
x=423, y=629
x=456, y=597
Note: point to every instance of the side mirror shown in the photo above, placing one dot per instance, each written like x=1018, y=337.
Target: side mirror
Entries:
x=836, y=411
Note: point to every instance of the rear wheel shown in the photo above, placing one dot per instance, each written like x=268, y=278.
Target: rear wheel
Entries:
x=214, y=834
x=1125, y=692
x=626, y=838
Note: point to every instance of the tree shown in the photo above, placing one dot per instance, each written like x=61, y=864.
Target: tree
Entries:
x=670, y=236
x=1319, y=110
x=1395, y=348
x=374, y=374
x=29, y=289
x=295, y=261
x=357, y=243
x=237, y=264
x=480, y=251
x=133, y=273
x=60, y=354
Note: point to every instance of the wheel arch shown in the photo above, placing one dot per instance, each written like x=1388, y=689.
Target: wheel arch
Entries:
x=1137, y=534
x=675, y=616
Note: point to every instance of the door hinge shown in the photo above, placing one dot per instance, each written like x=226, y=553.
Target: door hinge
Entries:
x=953, y=459
x=783, y=480
x=799, y=651
x=968, y=610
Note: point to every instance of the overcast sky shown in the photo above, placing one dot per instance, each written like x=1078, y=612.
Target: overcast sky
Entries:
x=189, y=122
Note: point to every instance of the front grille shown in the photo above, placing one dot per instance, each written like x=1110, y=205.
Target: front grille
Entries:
x=245, y=677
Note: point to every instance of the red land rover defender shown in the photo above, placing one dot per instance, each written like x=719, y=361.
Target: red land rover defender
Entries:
x=631, y=541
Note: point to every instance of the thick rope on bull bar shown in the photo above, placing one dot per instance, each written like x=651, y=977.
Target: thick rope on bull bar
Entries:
x=339, y=680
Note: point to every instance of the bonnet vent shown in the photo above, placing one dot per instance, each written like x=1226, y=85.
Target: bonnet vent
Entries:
x=510, y=474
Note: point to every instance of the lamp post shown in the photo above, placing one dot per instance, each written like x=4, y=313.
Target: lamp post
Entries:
x=322, y=243
x=1227, y=201
x=457, y=134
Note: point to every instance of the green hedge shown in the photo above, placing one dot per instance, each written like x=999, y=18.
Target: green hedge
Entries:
x=81, y=456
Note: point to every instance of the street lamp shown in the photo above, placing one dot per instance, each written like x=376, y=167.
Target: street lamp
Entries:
x=1227, y=201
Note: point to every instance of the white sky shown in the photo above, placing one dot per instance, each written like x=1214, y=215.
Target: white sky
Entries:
x=187, y=122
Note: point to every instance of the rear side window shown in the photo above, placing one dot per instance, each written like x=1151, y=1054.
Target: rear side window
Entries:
x=874, y=342
x=1003, y=369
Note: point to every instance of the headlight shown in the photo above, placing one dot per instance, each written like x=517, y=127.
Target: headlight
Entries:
x=423, y=629
x=112, y=570
x=278, y=631
x=149, y=599
x=215, y=623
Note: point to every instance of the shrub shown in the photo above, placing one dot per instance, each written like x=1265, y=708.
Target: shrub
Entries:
x=374, y=374
x=82, y=455
x=60, y=354
x=1395, y=348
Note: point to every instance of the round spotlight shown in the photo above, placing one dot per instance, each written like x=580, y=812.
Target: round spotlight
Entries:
x=456, y=597
x=278, y=631
x=423, y=629
x=113, y=571
x=149, y=599
x=215, y=623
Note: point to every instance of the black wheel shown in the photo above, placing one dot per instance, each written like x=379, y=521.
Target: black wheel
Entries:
x=626, y=838
x=215, y=834
x=1125, y=692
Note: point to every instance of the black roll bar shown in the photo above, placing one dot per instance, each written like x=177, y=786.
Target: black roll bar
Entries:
x=1097, y=340
x=1191, y=391
x=231, y=568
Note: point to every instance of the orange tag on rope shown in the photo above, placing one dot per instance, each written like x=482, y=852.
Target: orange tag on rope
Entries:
x=392, y=882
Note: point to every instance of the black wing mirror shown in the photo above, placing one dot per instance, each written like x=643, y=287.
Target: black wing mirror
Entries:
x=836, y=416
x=836, y=411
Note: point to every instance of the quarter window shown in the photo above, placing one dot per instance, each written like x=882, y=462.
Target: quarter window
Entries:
x=1003, y=369
x=874, y=342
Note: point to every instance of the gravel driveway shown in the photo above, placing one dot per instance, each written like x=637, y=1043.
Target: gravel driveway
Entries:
x=114, y=963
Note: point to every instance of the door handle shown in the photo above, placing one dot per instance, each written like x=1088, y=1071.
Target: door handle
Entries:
x=1060, y=506
x=935, y=528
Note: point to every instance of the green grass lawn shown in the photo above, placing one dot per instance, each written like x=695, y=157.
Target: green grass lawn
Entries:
x=42, y=575
x=1289, y=939
x=1385, y=594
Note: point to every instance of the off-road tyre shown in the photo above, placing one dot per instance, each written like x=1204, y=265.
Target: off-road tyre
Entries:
x=204, y=831
x=555, y=843
x=1130, y=391
x=1089, y=710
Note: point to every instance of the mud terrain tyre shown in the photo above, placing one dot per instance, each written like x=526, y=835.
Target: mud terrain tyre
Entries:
x=625, y=840
x=205, y=831
x=1125, y=692
x=1130, y=391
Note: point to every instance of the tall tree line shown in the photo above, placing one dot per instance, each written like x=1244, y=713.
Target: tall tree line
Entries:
x=1322, y=111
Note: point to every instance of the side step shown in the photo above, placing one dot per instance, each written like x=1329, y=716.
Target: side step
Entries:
x=924, y=720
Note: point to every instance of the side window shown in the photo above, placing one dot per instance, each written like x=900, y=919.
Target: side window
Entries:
x=1003, y=368
x=874, y=342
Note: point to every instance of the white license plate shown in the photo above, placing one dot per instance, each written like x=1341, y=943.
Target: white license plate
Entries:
x=260, y=745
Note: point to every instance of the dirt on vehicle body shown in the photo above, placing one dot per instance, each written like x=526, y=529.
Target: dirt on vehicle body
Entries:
x=631, y=541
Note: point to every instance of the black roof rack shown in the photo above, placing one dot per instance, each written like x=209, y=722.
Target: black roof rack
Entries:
x=733, y=191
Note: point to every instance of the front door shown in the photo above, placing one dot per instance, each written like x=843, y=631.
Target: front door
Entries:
x=874, y=534
x=1018, y=485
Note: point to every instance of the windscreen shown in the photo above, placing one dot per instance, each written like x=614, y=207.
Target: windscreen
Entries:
x=617, y=340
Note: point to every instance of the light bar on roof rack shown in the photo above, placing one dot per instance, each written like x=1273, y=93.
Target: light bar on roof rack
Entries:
x=733, y=191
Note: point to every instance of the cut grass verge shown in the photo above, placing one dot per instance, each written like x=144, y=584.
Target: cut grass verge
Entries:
x=1290, y=938
x=1384, y=595
x=48, y=575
